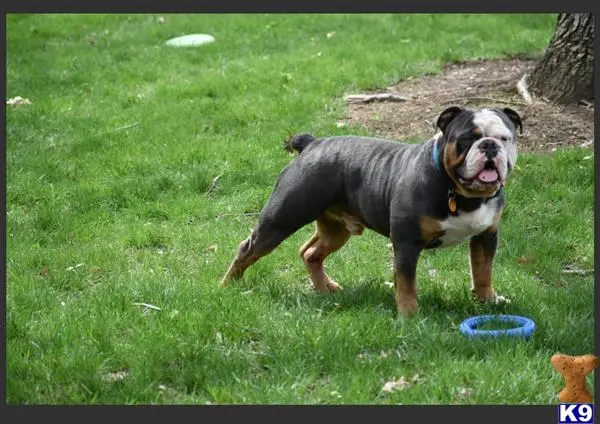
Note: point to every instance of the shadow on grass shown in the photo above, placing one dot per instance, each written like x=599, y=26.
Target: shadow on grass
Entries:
x=434, y=329
x=374, y=293
x=441, y=311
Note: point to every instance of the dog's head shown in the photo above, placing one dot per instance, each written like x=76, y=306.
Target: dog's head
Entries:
x=478, y=148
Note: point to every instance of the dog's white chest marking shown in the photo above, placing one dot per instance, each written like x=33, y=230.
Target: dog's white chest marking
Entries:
x=467, y=224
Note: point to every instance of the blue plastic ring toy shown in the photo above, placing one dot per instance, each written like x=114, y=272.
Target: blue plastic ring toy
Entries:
x=525, y=326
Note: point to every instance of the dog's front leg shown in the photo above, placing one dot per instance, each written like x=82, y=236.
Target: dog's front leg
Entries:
x=406, y=255
x=482, y=251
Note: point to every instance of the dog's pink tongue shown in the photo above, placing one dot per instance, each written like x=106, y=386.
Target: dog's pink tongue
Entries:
x=488, y=175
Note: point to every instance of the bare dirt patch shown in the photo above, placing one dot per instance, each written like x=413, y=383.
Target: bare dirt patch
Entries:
x=481, y=83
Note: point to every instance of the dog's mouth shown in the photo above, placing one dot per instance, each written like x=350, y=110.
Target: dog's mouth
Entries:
x=488, y=175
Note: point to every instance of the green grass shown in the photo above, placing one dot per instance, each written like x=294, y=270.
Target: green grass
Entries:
x=496, y=324
x=101, y=217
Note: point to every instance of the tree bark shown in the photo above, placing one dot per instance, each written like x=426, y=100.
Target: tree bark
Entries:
x=566, y=72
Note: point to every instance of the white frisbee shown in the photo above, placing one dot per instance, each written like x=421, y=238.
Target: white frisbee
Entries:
x=191, y=40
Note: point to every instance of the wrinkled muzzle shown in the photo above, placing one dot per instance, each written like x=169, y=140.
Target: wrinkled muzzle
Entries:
x=486, y=161
x=486, y=165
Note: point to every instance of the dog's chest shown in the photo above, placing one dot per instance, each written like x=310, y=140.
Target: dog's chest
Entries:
x=467, y=224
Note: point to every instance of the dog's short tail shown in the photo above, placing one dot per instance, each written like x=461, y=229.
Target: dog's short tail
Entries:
x=297, y=143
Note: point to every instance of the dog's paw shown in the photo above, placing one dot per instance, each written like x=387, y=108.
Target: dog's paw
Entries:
x=328, y=286
x=490, y=296
x=500, y=300
x=407, y=308
x=332, y=286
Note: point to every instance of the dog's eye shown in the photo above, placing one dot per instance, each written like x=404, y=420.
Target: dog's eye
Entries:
x=503, y=138
x=463, y=144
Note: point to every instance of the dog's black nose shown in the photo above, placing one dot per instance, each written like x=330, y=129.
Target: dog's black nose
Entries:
x=489, y=148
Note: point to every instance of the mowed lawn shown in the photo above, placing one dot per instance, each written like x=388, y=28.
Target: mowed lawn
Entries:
x=138, y=168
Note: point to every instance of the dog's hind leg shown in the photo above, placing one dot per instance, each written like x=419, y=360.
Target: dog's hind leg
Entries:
x=330, y=236
x=260, y=243
x=291, y=206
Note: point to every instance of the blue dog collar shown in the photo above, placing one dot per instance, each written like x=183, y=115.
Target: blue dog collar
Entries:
x=436, y=155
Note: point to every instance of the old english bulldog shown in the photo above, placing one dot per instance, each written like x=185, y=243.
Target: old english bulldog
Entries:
x=437, y=193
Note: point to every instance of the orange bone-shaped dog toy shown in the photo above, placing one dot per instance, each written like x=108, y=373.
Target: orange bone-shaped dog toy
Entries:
x=574, y=369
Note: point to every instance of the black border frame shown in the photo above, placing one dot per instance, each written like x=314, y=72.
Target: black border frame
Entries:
x=446, y=413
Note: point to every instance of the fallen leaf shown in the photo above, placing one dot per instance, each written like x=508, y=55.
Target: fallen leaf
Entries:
x=464, y=392
x=212, y=248
x=45, y=271
x=402, y=383
x=340, y=124
x=392, y=386
x=112, y=377
x=71, y=268
x=18, y=101
x=526, y=259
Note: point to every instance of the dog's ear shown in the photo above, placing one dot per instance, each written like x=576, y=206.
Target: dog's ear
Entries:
x=447, y=116
x=515, y=118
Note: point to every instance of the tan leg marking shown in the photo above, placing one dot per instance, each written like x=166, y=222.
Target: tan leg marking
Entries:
x=331, y=234
x=481, y=272
x=481, y=267
x=406, y=295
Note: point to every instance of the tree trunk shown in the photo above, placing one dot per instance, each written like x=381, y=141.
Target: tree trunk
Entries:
x=566, y=72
